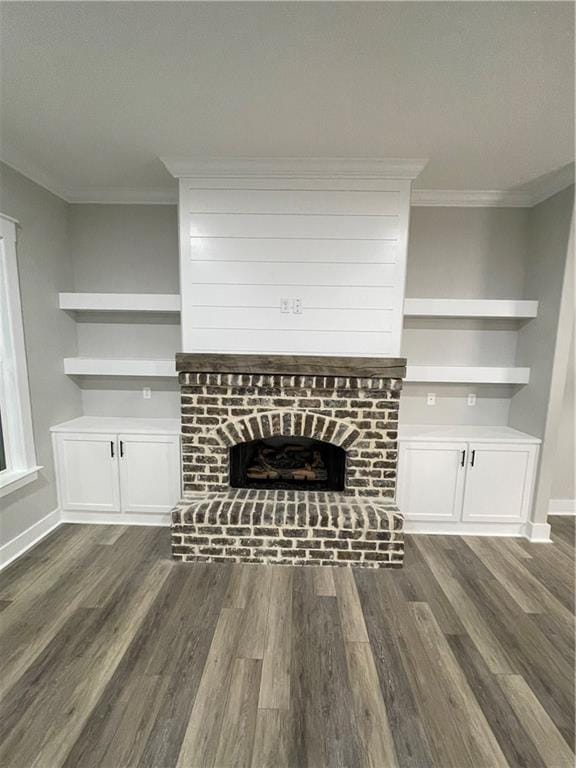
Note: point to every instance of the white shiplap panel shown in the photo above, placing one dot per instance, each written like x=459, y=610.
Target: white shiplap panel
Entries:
x=250, y=318
x=293, y=226
x=252, y=273
x=320, y=297
x=338, y=245
x=293, y=250
x=272, y=341
x=292, y=201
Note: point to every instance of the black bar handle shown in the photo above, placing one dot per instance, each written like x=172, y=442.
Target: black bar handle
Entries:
x=463, y=458
x=112, y=448
x=473, y=457
x=121, y=449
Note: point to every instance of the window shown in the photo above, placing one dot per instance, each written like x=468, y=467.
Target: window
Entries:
x=17, y=455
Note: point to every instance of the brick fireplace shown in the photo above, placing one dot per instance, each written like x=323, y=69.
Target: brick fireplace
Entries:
x=263, y=440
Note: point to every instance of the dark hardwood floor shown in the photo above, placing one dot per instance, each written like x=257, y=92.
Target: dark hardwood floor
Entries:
x=114, y=656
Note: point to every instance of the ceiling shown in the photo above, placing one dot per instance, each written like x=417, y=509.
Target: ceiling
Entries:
x=94, y=93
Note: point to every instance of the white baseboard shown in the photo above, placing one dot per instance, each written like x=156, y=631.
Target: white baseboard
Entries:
x=535, y=532
x=562, y=507
x=28, y=538
x=459, y=528
x=117, y=518
x=538, y=532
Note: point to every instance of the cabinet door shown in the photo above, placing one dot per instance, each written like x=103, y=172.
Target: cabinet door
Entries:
x=431, y=480
x=88, y=472
x=499, y=481
x=149, y=472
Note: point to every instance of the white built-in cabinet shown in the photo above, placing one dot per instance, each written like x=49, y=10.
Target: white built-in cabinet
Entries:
x=431, y=480
x=128, y=470
x=466, y=479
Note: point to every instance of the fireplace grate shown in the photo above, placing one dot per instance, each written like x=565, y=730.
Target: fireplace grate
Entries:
x=288, y=463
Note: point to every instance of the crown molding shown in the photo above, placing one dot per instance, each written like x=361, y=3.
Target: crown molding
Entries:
x=551, y=183
x=124, y=195
x=25, y=167
x=526, y=196
x=11, y=219
x=470, y=198
x=294, y=167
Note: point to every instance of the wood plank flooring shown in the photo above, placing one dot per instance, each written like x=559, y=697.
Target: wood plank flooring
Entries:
x=114, y=656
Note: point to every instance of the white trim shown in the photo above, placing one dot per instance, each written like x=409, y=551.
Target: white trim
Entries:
x=118, y=518
x=87, y=366
x=123, y=195
x=562, y=507
x=33, y=172
x=120, y=302
x=9, y=218
x=529, y=195
x=470, y=308
x=12, y=481
x=551, y=183
x=294, y=167
x=470, y=198
x=538, y=532
x=14, y=384
x=420, y=198
x=531, y=531
x=28, y=538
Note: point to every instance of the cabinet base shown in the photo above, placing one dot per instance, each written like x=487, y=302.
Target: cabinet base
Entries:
x=536, y=532
x=117, y=518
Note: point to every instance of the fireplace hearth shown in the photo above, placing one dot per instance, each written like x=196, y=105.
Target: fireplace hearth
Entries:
x=289, y=460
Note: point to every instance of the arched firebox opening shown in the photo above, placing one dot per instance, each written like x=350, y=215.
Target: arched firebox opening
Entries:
x=290, y=463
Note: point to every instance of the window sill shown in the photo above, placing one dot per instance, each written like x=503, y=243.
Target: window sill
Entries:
x=12, y=481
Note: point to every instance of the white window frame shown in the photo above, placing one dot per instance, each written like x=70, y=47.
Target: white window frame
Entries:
x=21, y=466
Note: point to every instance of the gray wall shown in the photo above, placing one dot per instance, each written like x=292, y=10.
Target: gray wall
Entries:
x=549, y=228
x=467, y=253
x=45, y=268
x=125, y=248
x=474, y=253
x=563, y=482
x=132, y=249
x=453, y=252
x=544, y=343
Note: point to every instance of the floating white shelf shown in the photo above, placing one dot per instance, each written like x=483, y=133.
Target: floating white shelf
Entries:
x=459, y=374
x=486, y=308
x=88, y=366
x=120, y=302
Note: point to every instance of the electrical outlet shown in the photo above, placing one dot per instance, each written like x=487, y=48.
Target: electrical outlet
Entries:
x=298, y=309
x=431, y=398
x=146, y=393
x=285, y=306
x=471, y=398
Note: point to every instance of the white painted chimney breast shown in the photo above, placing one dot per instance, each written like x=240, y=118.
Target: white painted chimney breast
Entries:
x=293, y=256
